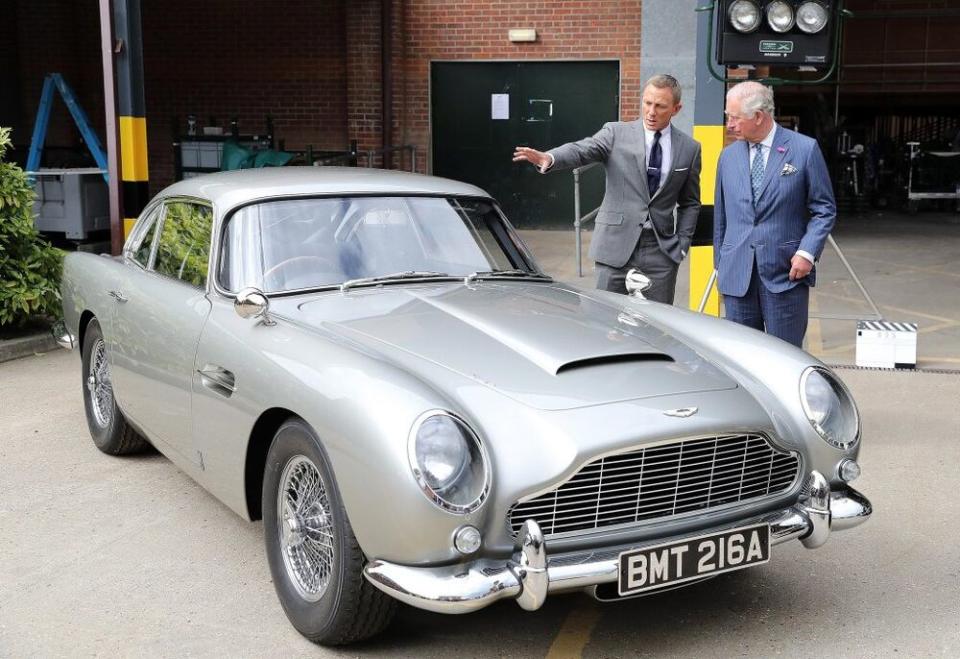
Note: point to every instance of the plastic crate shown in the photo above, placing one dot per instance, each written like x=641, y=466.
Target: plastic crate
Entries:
x=74, y=202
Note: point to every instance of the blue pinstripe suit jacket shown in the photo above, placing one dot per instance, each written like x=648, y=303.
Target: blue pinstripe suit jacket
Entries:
x=794, y=211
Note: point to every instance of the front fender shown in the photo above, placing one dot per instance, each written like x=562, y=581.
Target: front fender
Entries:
x=361, y=406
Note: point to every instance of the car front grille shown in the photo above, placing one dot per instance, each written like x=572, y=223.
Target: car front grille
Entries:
x=661, y=482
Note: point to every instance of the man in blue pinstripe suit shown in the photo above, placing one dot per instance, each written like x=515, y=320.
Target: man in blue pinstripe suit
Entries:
x=773, y=211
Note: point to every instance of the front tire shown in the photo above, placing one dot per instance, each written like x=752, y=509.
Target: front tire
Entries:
x=109, y=429
x=316, y=563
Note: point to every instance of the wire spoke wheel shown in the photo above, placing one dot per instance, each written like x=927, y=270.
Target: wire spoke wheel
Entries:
x=305, y=528
x=100, y=386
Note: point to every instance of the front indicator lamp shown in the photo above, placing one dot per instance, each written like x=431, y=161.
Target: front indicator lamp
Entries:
x=467, y=540
x=812, y=17
x=744, y=15
x=780, y=16
x=849, y=470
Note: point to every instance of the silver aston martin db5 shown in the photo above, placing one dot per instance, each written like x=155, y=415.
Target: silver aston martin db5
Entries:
x=372, y=363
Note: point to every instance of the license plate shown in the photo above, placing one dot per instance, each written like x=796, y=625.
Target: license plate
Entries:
x=654, y=567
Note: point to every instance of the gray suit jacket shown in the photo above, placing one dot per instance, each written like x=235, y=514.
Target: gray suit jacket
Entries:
x=626, y=205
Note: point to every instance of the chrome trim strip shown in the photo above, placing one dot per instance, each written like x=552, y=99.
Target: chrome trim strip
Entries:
x=468, y=587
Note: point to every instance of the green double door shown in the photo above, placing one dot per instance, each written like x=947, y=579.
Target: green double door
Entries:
x=481, y=110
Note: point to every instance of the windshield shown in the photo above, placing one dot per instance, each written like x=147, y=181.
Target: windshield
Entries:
x=295, y=244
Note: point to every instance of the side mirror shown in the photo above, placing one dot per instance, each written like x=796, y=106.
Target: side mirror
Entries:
x=637, y=282
x=252, y=303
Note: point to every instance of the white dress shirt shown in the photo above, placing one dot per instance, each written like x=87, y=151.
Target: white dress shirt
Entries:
x=666, y=152
x=766, y=144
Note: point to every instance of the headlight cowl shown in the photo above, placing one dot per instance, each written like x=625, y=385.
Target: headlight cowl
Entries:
x=829, y=408
x=448, y=462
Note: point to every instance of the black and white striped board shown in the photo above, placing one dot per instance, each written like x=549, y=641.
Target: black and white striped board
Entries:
x=885, y=326
x=886, y=344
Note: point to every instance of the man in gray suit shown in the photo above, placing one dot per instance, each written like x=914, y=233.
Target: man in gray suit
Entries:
x=652, y=199
x=773, y=211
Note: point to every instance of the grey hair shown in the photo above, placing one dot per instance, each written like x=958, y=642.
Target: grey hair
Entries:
x=753, y=97
x=665, y=81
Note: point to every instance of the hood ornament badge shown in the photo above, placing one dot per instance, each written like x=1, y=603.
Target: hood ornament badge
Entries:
x=682, y=412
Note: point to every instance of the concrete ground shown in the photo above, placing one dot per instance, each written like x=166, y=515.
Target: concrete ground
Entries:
x=128, y=557
x=909, y=264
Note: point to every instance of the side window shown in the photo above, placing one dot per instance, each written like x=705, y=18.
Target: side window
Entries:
x=142, y=253
x=185, y=242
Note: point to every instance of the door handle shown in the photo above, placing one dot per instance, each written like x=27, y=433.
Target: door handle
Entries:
x=117, y=295
x=218, y=379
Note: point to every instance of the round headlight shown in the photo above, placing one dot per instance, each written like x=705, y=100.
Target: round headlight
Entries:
x=811, y=17
x=744, y=15
x=779, y=16
x=829, y=407
x=448, y=462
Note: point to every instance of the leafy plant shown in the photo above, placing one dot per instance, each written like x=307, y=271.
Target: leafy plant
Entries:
x=30, y=267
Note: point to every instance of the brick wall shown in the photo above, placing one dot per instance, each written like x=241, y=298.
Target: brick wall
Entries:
x=58, y=36
x=313, y=65
x=246, y=60
x=427, y=30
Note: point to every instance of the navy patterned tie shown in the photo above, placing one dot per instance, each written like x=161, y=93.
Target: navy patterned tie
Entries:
x=756, y=171
x=653, y=166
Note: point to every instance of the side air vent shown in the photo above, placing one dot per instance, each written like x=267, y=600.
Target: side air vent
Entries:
x=614, y=359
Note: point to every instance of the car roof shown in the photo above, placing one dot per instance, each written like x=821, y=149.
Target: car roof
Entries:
x=229, y=189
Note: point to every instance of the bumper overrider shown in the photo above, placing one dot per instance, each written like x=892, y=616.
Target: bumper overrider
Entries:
x=530, y=574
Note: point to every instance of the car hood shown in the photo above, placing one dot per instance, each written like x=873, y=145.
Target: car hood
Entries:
x=545, y=345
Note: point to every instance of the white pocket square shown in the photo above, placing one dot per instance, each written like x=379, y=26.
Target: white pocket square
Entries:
x=682, y=169
x=788, y=169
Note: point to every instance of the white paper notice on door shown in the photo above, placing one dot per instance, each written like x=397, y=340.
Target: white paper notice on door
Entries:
x=499, y=106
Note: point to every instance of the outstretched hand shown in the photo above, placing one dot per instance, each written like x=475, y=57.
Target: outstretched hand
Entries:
x=538, y=158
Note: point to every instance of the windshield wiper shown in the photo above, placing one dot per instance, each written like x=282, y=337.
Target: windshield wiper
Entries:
x=396, y=276
x=507, y=274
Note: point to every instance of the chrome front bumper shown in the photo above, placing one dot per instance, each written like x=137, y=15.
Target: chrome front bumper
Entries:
x=530, y=575
x=62, y=335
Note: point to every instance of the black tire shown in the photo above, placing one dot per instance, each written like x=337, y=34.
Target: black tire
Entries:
x=339, y=606
x=109, y=429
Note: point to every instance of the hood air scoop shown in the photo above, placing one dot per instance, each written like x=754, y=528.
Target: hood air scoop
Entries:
x=602, y=360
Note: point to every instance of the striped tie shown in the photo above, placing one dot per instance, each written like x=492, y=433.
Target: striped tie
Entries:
x=756, y=171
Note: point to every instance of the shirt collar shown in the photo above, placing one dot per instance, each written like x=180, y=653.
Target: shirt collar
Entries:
x=768, y=140
x=650, y=134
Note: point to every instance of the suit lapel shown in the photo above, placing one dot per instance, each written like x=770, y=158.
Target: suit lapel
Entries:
x=744, y=156
x=778, y=152
x=641, y=153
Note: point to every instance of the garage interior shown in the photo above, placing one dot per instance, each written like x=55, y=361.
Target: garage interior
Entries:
x=312, y=81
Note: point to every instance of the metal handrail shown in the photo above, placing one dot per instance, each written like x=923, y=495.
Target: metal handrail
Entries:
x=350, y=158
x=578, y=220
x=876, y=315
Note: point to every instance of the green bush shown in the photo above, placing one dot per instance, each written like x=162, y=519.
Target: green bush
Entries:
x=30, y=267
